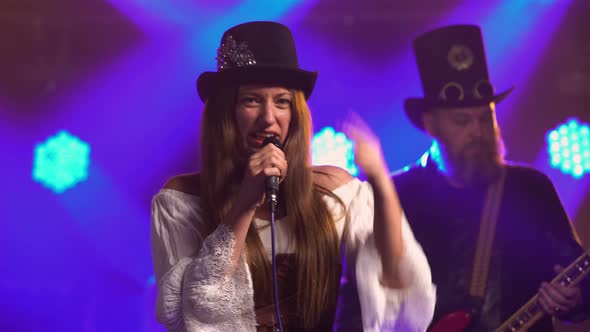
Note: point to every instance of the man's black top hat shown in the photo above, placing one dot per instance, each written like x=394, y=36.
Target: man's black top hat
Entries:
x=453, y=69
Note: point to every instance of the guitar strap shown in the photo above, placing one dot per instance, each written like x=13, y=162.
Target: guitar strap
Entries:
x=485, y=239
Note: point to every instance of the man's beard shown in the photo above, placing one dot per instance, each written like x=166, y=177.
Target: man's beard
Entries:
x=478, y=163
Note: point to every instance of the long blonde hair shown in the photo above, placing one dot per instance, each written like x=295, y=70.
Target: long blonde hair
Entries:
x=308, y=217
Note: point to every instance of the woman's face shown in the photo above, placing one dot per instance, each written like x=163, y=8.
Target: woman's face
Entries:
x=261, y=112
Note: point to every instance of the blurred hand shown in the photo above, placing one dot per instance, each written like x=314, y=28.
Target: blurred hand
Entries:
x=368, y=153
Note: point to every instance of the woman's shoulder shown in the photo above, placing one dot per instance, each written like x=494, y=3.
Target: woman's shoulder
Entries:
x=330, y=177
x=178, y=201
x=185, y=183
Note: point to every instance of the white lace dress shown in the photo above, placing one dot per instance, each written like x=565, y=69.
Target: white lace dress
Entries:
x=196, y=294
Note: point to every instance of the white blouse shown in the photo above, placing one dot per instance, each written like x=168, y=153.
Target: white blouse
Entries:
x=196, y=294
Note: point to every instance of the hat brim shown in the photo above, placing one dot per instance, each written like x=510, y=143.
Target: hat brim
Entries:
x=414, y=107
x=290, y=78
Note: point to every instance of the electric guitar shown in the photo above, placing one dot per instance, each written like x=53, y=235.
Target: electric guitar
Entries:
x=529, y=313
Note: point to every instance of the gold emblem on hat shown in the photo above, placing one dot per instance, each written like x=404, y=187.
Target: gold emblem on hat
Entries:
x=460, y=57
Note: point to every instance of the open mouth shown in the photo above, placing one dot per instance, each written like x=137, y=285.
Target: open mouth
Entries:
x=258, y=138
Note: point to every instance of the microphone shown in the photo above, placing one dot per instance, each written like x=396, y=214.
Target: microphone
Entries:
x=272, y=182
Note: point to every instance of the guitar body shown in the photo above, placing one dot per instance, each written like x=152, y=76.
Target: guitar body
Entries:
x=456, y=321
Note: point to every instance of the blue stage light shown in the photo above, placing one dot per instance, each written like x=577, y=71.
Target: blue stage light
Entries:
x=333, y=148
x=569, y=148
x=61, y=162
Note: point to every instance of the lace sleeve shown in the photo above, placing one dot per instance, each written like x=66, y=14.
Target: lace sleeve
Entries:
x=386, y=309
x=196, y=291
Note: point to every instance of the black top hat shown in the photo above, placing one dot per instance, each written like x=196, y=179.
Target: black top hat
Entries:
x=453, y=69
x=257, y=53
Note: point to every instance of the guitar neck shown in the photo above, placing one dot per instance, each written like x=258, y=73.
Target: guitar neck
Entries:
x=531, y=312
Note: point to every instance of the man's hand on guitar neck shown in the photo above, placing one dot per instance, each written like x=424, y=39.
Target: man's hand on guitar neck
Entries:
x=559, y=300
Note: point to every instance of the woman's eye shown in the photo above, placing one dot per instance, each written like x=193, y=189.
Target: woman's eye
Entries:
x=249, y=100
x=284, y=101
